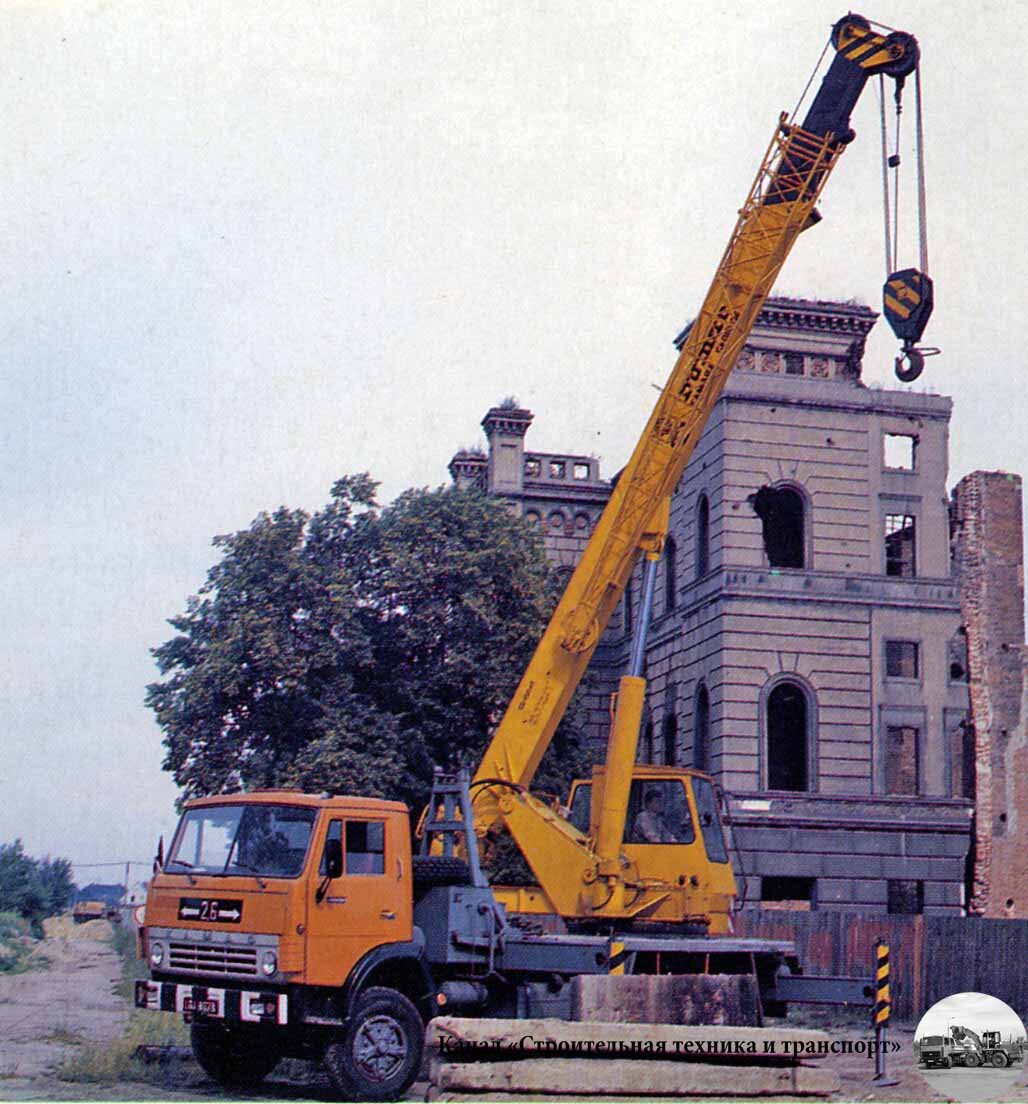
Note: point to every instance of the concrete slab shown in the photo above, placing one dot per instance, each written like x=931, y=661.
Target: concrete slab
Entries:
x=730, y=999
x=584, y=1077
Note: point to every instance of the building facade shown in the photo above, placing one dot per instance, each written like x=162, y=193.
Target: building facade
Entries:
x=808, y=644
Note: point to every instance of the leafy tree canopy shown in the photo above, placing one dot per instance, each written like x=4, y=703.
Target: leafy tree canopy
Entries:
x=33, y=888
x=354, y=649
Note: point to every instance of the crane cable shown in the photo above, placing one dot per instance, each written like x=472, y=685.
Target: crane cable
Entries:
x=922, y=194
x=891, y=208
x=885, y=177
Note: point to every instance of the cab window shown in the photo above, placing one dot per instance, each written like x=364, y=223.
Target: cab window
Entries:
x=658, y=812
x=710, y=822
x=335, y=832
x=578, y=814
x=365, y=847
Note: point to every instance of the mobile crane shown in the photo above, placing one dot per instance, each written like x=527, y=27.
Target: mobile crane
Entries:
x=287, y=923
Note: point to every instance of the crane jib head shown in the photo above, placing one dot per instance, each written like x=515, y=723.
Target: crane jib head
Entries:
x=895, y=55
x=860, y=53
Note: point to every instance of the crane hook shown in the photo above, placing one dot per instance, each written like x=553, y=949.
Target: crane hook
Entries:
x=915, y=363
x=915, y=357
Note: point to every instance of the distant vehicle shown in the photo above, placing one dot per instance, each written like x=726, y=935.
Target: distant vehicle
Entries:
x=85, y=911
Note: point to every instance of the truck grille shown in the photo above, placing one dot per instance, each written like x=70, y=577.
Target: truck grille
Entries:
x=226, y=960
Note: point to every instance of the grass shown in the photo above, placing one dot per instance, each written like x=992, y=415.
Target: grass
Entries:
x=123, y=939
x=17, y=944
x=109, y=1063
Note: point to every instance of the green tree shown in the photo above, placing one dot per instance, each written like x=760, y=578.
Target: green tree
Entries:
x=354, y=649
x=33, y=888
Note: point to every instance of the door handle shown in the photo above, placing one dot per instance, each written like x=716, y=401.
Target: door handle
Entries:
x=386, y=914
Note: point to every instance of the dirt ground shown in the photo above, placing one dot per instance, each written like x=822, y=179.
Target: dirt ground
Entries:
x=50, y=1015
x=45, y=1012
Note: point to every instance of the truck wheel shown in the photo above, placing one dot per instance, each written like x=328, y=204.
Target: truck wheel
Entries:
x=947, y=1063
x=377, y=1055
x=439, y=870
x=999, y=1059
x=971, y=1060
x=233, y=1058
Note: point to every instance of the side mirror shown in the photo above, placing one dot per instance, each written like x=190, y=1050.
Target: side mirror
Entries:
x=333, y=858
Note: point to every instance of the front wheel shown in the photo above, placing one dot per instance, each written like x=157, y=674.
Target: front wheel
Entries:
x=971, y=1060
x=377, y=1055
x=999, y=1059
x=233, y=1057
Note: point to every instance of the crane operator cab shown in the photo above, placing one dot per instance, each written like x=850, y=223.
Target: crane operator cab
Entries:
x=673, y=831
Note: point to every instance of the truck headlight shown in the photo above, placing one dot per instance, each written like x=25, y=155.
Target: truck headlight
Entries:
x=269, y=963
x=156, y=953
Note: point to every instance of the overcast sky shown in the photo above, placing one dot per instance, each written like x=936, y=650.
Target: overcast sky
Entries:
x=249, y=247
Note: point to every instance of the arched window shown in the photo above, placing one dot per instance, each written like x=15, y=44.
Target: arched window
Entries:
x=788, y=738
x=701, y=730
x=670, y=740
x=702, y=537
x=670, y=574
x=781, y=512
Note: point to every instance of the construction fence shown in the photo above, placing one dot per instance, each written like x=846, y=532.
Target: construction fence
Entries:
x=931, y=957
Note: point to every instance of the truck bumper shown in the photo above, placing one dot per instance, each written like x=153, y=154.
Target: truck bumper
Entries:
x=255, y=1006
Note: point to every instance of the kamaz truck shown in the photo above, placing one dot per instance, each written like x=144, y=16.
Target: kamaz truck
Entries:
x=289, y=923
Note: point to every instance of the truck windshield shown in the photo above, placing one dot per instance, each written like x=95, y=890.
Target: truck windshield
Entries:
x=710, y=822
x=269, y=840
x=932, y=1040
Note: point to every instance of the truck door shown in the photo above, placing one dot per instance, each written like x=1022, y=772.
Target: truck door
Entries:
x=369, y=904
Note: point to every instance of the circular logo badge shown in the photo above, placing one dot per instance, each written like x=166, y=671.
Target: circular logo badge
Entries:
x=971, y=1047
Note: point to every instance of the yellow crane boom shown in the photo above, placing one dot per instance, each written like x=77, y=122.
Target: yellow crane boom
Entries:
x=780, y=205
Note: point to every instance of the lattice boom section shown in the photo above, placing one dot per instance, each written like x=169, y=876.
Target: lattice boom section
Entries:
x=792, y=174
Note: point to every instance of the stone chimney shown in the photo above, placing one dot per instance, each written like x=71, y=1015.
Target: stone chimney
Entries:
x=468, y=469
x=505, y=427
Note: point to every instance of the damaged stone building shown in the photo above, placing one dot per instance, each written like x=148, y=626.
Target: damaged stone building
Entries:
x=809, y=644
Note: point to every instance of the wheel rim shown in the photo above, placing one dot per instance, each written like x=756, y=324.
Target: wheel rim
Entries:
x=380, y=1047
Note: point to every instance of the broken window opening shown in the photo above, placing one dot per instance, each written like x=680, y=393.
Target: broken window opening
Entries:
x=670, y=574
x=957, y=657
x=905, y=898
x=581, y=471
x=702, y=537
x=533, y=467
x=647, y=743
x=701, y=730
x=900, y=451
x=557, y=469
x=794, y=894
x=902, y=767
x=962, y=759
x=900, y=545
x=670, y=740
x=794, y=364
x=787, y=738
x=781, y=511
x=902, y=659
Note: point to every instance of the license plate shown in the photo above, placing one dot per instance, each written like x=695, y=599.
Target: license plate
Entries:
x=201, y=1007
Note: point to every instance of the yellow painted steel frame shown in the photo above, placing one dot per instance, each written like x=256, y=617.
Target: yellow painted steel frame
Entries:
x=779, y=207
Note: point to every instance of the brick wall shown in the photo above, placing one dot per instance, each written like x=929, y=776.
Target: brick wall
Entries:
x=988, y=559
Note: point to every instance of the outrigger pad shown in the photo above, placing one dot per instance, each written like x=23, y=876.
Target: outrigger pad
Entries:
x=907, y=302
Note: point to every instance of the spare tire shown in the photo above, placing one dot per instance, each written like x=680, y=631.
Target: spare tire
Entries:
x=440, y=870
